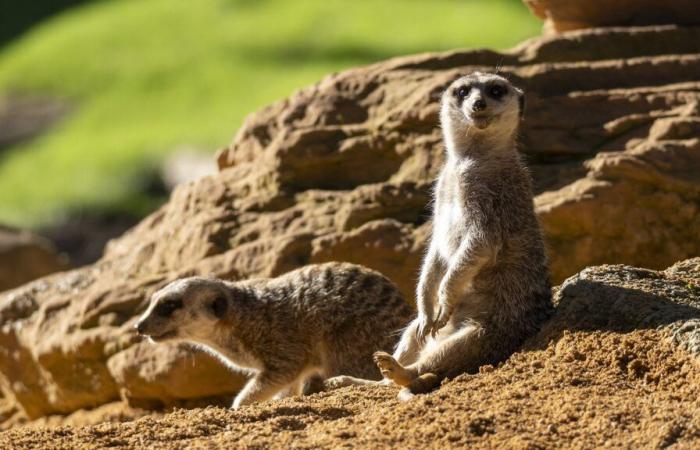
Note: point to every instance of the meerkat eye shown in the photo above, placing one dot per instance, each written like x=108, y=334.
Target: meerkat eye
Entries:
x=219, y=306
x=497, y=91
x=462, y=92
x=165, y=309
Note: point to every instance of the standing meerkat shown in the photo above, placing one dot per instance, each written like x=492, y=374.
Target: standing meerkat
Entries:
x=484, y=285
x=288, y=333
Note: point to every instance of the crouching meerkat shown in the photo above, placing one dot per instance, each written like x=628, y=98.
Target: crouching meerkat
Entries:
x=288, y=333
x=484, y=284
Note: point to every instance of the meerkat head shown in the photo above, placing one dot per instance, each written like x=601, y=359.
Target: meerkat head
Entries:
x=481, y=103
x=185, y=309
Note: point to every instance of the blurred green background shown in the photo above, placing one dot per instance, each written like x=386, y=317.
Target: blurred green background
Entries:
x=143, y=77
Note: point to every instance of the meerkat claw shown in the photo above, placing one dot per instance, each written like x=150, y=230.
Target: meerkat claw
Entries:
x=424, y=329
x=443, y=317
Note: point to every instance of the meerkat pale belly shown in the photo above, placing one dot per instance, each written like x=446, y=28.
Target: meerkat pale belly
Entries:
x=448, y=231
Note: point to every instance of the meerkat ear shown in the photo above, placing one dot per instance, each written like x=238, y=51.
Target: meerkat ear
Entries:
x=521, y=103
x=218, y=306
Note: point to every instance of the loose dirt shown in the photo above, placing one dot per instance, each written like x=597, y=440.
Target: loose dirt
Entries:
x=574, y=390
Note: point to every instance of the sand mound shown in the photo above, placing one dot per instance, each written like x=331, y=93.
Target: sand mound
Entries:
x=584, y=389
x=616, y=366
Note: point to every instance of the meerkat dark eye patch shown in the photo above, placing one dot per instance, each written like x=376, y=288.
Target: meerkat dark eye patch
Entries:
x=219, y=306
x=497, y=91
x=462, y=92
x=166, y=308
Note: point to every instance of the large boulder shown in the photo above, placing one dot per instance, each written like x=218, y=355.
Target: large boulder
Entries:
x=624, y=299
x=344, y=169
x=566, y=15
x=24, y=257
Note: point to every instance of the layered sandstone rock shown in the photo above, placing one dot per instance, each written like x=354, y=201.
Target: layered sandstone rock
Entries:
x=343, y=170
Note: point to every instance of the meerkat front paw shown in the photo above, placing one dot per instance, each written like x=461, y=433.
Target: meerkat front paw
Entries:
x=443, y=316
x=424, y=328
x=392, y=370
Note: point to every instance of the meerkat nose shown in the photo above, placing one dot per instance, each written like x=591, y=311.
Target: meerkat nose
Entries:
x=479, y=105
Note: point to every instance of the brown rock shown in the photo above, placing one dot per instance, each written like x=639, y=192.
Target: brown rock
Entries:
x=164, y=375
x=623, y=299
x=25, y=257
x=343, y=170
x=565, y=15
x=648, y=195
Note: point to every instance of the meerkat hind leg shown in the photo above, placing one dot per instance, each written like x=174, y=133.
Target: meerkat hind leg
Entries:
x=393, y=370
x=457, y=353
x=409, y=347
x=405, y=376
x=407, y=352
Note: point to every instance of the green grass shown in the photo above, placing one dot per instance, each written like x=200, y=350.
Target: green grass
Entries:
x=147, y=76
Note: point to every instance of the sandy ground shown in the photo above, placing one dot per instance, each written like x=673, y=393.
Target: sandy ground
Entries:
x=578, y=390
